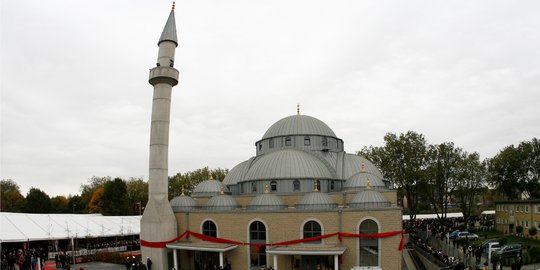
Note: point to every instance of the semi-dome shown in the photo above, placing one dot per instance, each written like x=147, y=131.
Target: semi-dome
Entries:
x=221, y=202
x=288, y=164
x=316, y=200
x=353, y=164
x=361, y=179
x=236, y=173
x=369, y=199
x=183, y=203
x=266, y=201
x=298, y=125
x=207, y=188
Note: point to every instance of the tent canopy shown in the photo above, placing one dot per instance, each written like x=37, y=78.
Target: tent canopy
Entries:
x=22, y=227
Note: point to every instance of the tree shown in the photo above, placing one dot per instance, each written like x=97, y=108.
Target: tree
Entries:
x=114, y=199
x=471, y=181
x=402, y=161
x=37, y=201
x=76, y=204
x=88, y=190
x=59, y=204
x=188, y=181
x=533, y=231
x=96, y=204
x=519, y=229
x=442, y=175
x=11, y=198
x=137, y=195
x=515, y=171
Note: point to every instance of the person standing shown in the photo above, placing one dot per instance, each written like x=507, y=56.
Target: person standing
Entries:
x=149, y=263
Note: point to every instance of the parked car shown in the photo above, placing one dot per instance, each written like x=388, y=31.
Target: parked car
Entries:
x=467, y=235
x=509, y=250
x=492, y=247
x=453, y=235
x=485, y=244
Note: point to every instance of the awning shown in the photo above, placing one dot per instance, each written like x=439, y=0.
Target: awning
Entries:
x=202, y=246
x=306, y=250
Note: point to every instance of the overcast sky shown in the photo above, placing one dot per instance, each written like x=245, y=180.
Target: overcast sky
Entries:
x=76, y=103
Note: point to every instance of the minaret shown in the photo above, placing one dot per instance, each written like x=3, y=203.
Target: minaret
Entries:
x=158, y=222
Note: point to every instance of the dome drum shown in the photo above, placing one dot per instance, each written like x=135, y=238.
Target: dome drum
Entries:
x=288, y=185
x=299, y=141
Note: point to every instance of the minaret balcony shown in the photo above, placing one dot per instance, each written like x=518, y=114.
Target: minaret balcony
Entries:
x=166, y=75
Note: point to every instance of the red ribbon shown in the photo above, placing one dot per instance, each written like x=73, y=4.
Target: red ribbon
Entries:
x=258, y=245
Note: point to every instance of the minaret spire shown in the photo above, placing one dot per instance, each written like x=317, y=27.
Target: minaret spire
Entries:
x=158, y=222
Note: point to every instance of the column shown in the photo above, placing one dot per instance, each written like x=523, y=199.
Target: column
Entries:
x=336, y=262
x=221, y=259
x=275, y=262
x=175, y=259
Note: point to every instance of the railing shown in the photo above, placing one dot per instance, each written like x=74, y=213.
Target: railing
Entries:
x=85, y=252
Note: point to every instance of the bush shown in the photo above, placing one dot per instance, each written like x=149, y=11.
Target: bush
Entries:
x=533, y=231
x=519, y=229
x=534, y=252
x=462, y=227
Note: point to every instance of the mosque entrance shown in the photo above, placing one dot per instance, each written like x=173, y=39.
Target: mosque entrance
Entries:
x=205, y=260
x=313, y=262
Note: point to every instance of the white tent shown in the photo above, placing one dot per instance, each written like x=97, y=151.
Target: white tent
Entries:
x=433, y=216
x=22, y=227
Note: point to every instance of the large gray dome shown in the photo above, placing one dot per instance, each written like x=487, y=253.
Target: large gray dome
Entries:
x=288, y=164
x=316, y=200
x=369, y=199
x=183, y=203
x=236, y=173
x=299, y=125
x=221, y=202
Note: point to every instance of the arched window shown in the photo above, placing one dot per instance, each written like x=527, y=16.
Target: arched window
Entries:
x=288, y=141
x=332, y=185
x=369, y=247
x=273, y=186
x=307, y=141
x=253, y=187
x=271, y=143
x=296, y=185
x=257, y=235
x=312, y=228
x=209, y=228
x=260, y=146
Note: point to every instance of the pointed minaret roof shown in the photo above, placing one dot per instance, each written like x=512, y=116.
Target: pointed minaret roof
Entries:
x=169, y=31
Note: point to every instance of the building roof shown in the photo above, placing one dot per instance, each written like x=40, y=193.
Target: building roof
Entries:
x=299, y=125
x=307, y=249
x=288, y=164
x=169, y=31
x=360, y=180
x=22, y=227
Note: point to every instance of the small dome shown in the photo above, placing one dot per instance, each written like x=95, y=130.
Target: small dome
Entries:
x=208, y=188
x=369, y=199
x=183, y=203
x=221, y=202
x=266, y=201
x=316, y=200
x=360, y=180
x=299, y=125
x=353, y=164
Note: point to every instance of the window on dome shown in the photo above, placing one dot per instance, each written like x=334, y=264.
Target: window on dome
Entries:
x=369, y=247
x=271, y=143
x=253, y=187
x=332, y=185
x=296, y=186
x=311, y=229
x=209, y=228
x=257, y=235
x=324, y=142
x=288, y=141
x=260, y=146
x=273, y=186
x=307, y=141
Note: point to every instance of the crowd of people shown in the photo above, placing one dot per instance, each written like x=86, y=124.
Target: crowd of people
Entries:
x=23, y=259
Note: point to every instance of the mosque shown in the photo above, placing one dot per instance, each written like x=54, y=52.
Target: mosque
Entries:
x=301, y=202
